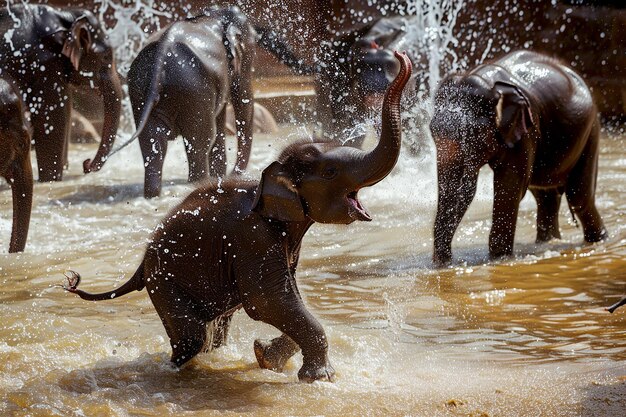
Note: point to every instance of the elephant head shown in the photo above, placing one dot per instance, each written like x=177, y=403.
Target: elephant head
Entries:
x=373, y=68
x=473, y=121
x=15, y=166
x=319, y=181
x=86, y=46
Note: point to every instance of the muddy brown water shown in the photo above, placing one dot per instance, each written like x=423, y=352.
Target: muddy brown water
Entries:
x=522, y=336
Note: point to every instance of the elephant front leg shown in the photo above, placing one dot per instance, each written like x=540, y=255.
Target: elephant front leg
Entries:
x=51, y=125
x=456, y=187
x=509, y=186
x=21, y=180
x=278, y=303
x=275, y=353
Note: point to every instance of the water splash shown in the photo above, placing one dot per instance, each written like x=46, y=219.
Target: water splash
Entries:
x=126, y=26
x=431, y=31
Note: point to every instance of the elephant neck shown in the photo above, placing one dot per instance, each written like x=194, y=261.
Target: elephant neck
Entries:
x=294, y=232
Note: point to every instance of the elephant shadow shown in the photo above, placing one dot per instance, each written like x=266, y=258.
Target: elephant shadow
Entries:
x=108, y=194
x=151, y=381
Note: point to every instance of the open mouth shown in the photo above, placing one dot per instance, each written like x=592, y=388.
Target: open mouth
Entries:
x=357, y=212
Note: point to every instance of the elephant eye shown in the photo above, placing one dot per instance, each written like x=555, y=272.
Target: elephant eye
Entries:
x=329, y=173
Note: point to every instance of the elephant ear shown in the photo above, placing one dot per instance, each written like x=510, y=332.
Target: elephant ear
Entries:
x=78, y=41
x=235, y=47
x=513, y=116
x=277, y=197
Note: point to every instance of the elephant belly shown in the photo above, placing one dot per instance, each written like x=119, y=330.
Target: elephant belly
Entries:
x=556, y=156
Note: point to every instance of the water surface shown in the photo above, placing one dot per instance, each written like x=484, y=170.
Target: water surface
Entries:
x=522, y=336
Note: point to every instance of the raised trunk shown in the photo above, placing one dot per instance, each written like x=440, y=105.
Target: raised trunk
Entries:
x=111, y=90
x=22, y=191
x=381, y=160
x=456, y=189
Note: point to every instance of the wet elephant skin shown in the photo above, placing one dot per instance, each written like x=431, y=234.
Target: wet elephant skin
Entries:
x=179, y=84
x=237, y=245
x=533, y=120
x=50, y=52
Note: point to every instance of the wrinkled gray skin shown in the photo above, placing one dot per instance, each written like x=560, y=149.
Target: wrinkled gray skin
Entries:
x=179, y=84
x=50, y=52
x=15, y=164
x=533, y=120
x=238, y=246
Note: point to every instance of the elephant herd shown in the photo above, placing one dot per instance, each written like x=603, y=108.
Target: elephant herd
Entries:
x=528, y=116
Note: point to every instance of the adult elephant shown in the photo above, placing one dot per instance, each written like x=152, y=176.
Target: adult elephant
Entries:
x=532, y=119
x=48, y=52
x=237, y=245
x=15, y=164
x=179, y=85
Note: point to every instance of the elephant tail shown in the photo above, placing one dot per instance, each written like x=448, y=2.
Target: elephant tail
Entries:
x=277, y=46
x=135, y=283
x=616, y=305
x=154, y=94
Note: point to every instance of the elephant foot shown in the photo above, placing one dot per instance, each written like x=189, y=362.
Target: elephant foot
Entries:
x=544, y=237
x=311, y=373
x=500, y=255
x=269, y=356
x=441, y=261
x=596, y=235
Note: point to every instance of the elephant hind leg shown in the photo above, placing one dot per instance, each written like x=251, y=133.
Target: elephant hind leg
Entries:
x=200, y=146
x=153, y=142
x=581, y=190
x=548, y=203
x=183, y=321
x=189, y=342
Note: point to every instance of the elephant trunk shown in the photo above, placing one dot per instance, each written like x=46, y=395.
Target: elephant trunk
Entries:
x=22, y=192
x=456, y=184
x=381, y=160
x=111, y=90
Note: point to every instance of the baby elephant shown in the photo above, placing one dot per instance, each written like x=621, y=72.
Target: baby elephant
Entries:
x=532, y=119
x=238, y=245
x=15, y=167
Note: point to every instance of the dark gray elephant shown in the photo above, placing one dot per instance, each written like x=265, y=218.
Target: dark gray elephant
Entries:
x=238, y=245
x=49, y=51
x=15, y=166
x=533, y=120
x=179, y=85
